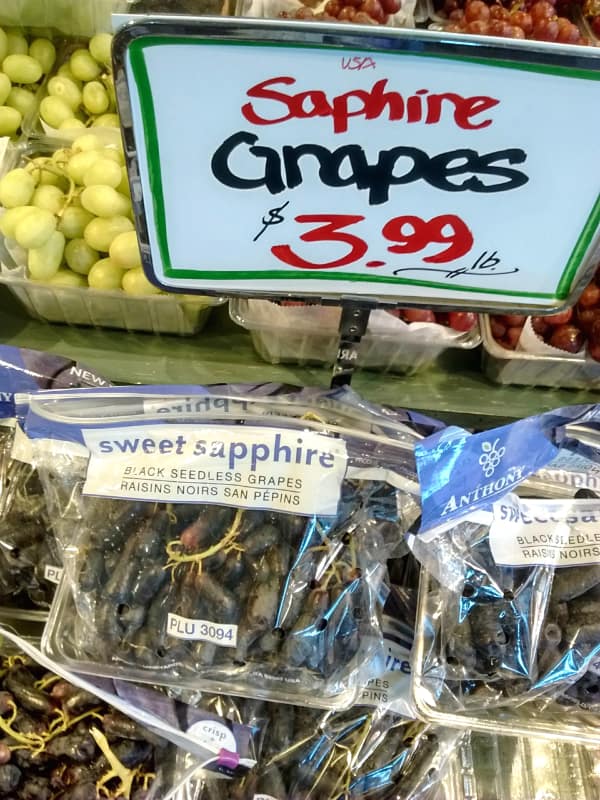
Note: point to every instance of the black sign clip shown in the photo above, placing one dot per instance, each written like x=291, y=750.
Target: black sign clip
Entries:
x=353, y=326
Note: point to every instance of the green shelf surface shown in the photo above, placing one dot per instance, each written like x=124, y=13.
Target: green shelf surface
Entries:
x=454, y=390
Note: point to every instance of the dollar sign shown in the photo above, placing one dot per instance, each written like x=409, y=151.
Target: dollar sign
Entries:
x=274, y=218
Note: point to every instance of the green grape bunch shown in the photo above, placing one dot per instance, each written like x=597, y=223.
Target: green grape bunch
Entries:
x=71, y=213
x=23, y=66
x=82, y=92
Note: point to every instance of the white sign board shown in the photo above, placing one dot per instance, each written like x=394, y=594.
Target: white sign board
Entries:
x=370, y=168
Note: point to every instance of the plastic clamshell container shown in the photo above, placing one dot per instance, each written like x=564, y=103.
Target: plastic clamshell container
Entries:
x=435, y=702
x=183, y=315
x=309, y=335
x=527, y=369
x=514, y=768
x=64, y=625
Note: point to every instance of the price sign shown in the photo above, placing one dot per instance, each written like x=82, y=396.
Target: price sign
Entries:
x=274, y=158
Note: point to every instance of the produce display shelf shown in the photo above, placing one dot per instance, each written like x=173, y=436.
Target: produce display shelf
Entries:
x=455, y=390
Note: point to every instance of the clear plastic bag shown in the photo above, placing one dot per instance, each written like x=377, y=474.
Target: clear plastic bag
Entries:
x=351, y=755
x=243, y=593
x=30, y=563
x=509, y=607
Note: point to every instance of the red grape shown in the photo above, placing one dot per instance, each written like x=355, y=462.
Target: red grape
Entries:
x=418, y=315
x=499, y=12
x=457, y=16
x=567, y=337
x=476, y=10
x=593, y=350
x=590, y=296
x=348, y=12
x=523, y=20
x=541, y=10
x=594, y=333
x=478, y=26
x=498, y=328
x=586, y=318
x=567, y=32
x=540, y=326
x=497, y=27
x=546, y=30
x=512, y=337
x=462, y=320
x=561, y=318
x=390, y=6
x=596, y=25
x=516, y=32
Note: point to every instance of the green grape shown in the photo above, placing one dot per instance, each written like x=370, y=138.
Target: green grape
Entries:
x=83, y=66
x=64, y=71
x=135, y=282
x=44, y=262
x=21, y=99
x=45, y=175
x=22, y=69
x=64, y=277
x=53, y=110
x=125, y=250
x=11, y=218
x=74, y=221
x=105, y=274
x=16, y=44
x=71, y=124
x=49, y=197
x=106, y=121
x=104, y=201
x=10, y=121
x=95, y=98
x=67, y=90
x=103, y=172
x=112, y=95
x=123, y=187
x=100, y=233
x=61, y=156
x=44, y=53
x=80, y=163
x=114, y=154
x=16, y=188
x=88, y=141
x=100, y=46
x=80, y=256
x=5, y=87
x=35, y=228
x=3, y=45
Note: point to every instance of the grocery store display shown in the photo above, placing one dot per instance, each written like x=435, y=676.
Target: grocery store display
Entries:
x=24, y=61
x=80, y=93
x=398, y=13
x=403, y=341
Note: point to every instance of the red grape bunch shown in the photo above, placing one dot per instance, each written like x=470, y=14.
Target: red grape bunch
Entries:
x=568, y=330
x=457, y=320
x=361, y=12
x=524, y=20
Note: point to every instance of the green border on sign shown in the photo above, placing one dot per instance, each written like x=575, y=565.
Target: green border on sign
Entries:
x=138, y=65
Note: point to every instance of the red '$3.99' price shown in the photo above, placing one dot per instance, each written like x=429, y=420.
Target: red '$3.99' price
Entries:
x=408, y=233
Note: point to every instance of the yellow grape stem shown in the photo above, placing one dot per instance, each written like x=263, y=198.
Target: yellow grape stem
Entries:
x=227, y=543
